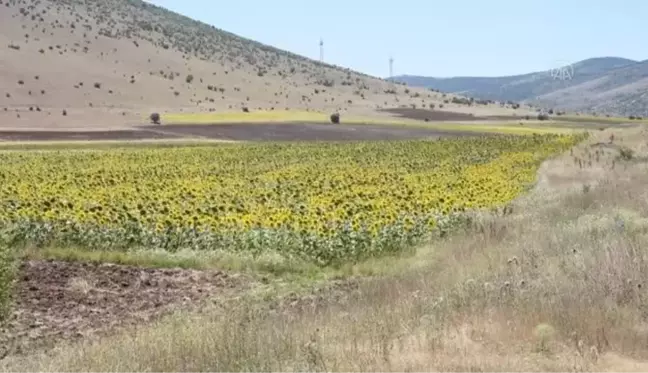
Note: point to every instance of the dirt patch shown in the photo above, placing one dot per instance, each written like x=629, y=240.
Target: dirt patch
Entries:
x=242, y=132
x=83, y=136
x=58, y=301
x=307, y=132
x=441, y=115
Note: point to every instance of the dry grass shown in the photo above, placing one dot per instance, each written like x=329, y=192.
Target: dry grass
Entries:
x=558, y=284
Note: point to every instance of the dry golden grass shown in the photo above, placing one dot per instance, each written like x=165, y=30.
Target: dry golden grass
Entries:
x=558, y=284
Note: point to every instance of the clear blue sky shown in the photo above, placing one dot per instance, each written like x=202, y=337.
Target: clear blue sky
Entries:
x=436, y=38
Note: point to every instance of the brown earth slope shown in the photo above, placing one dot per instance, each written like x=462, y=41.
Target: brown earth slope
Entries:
x=75, y=64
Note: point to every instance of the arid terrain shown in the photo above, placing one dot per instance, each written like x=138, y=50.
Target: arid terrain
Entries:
x=108, y=65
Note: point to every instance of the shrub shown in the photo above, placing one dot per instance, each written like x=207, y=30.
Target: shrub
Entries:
x=189, y=78
x=7, y=276
x=626, y=153
x=155, y=118
x=246, y=110
x=335, y=118
x=97, y=85
x=543, y=116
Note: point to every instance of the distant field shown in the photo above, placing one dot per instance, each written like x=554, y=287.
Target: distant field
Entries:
x=320, y=202
x=301, y=117
x=274, y=116
x=599, y=119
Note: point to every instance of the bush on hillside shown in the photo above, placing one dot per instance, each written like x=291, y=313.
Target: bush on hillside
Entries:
x=335, y=118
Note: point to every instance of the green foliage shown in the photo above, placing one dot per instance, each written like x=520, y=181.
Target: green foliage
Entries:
x=7, y=276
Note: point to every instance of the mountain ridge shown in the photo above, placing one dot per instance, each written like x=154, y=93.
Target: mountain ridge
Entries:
x=610, y=85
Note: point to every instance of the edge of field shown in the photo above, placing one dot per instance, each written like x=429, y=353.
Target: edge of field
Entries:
x=94, y=144
x=299, y=117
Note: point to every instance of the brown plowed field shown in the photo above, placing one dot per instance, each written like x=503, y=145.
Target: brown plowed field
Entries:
x=70, y=300
x=241, y=132
x=82, y=136
x=307, y=132
x=442, y=116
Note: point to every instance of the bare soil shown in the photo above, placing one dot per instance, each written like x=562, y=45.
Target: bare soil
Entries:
x=64, y=301
x=242, y=132
x=82, y=135
x=444, y=116
x=306, y=131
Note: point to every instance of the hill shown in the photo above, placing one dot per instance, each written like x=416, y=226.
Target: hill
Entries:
x=609, y=85
x=110, y=63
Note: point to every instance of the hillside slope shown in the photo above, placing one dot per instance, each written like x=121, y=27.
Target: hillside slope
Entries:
x=113, y=62
x=606, y=84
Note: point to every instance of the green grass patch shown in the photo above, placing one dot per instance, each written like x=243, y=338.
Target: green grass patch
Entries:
x=7, y=275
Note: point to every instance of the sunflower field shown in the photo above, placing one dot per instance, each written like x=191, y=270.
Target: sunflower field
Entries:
x=323, y=202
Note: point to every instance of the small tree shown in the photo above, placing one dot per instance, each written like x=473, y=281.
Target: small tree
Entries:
x=155, y=118
x=335, y=118
x=189, y=79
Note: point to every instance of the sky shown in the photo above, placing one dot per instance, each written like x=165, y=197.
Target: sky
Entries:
x=436, y=38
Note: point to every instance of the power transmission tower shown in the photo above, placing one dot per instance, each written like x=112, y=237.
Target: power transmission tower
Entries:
x=391, y=67
x=321, y=44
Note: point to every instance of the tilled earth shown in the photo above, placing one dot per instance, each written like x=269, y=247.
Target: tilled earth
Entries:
x=241, y=132
x=63, y=301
